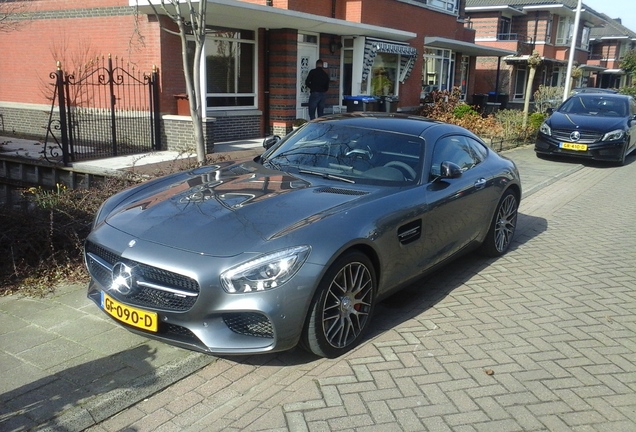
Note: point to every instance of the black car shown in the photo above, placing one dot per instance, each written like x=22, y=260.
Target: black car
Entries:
x=578, y=90
x=600, y=126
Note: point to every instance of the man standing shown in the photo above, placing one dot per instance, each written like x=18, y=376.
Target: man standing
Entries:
x=318, y=83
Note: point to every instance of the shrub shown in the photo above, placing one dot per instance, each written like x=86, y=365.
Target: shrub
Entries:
x=512, y=125
x=447, y=106
x=536, y=119
x=547, y=97
x=49, y=250
x=631, y=91
x=464, y=109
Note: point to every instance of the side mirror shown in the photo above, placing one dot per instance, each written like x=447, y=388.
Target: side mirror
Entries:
x=450, y=170
x=549, y=111
x=271, y=141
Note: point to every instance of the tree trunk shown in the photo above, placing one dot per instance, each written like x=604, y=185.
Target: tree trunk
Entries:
x=526, y=103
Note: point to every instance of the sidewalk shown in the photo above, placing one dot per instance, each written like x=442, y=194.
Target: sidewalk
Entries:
x=65, y=366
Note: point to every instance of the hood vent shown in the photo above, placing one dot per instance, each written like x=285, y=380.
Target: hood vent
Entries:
x=340, y=191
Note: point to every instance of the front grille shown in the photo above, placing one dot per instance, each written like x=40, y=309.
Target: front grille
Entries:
x=586, y=137
x=180, y=333
x=143, y=296
x=249, y=324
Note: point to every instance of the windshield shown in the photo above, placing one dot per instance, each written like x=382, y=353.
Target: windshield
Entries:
x=348, y=153
x=594, y=106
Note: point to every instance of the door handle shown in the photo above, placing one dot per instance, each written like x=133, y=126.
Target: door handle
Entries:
x=480, y=184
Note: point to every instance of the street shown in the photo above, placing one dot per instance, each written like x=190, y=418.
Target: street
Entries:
x=542, y=339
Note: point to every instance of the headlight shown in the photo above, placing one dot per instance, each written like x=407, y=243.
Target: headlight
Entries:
x=545, y=129
x=265, y=272
x=614, y=135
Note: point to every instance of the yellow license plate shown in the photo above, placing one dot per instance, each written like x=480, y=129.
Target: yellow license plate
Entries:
x=574, y=146
x=132, y=316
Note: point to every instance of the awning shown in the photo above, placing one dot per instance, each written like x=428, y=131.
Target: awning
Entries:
x=249, y=16
x=524, y=59
x=591, y=68
x=614, y=71
x=466, y=48
x=373, y=46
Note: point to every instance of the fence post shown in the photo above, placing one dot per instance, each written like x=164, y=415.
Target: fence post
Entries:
x=156, y=123
x=113, y=125
x=59, y=83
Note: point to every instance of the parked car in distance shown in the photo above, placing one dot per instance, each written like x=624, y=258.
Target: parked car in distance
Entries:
x=578, y=90
x=600, y=126
x=299, y=244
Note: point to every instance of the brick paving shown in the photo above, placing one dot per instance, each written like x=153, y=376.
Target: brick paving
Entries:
x=542, y=339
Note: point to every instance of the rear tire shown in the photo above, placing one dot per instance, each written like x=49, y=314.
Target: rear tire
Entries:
x=502, y=226
x=340, y=312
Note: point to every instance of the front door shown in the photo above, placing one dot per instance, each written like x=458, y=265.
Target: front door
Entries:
x=307, y=56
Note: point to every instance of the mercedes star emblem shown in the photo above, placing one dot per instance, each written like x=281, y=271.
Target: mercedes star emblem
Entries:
x=122, y=279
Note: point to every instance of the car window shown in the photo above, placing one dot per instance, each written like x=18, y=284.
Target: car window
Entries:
x=595, y=106
x=458, y=149
x=359, y=155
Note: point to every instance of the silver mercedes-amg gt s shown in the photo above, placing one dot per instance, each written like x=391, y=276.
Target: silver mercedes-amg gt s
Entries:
x=299, y=245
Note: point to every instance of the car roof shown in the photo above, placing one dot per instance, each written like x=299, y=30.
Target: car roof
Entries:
x=593, y=90
x=601, y=95
x=392, y=122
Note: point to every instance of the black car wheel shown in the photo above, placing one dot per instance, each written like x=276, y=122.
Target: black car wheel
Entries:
x=341, y=310
x=502, y=227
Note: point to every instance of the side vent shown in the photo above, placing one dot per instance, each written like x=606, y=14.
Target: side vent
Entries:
x=340, y=191
x=410, y=232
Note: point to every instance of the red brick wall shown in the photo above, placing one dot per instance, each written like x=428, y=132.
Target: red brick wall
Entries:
x=30, y=54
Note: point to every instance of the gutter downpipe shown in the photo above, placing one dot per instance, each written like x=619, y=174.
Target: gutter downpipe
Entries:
x=266, y=82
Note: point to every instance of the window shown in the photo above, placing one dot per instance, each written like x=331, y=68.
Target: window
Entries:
x=564, y=31
x=585, y=38
x=439, y=66
x=463, y=151
x=520, y=83
x=464, y=77
x=383, y=75
x=504, y=29
x=230, y=69
x=447, y=5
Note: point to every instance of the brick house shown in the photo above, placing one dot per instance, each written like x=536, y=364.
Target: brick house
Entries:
x=608, y=45
x=546, y=26
x=257, y=54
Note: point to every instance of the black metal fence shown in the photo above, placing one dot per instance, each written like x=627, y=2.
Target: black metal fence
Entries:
x=104, y=110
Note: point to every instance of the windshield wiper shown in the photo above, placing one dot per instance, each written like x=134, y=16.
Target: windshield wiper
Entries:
x=326, y=175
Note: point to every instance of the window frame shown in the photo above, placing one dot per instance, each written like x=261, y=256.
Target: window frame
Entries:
x=210, y=96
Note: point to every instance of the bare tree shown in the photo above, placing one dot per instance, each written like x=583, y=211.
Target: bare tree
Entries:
x=9, y=11
x=190, y=22
x=533, y=62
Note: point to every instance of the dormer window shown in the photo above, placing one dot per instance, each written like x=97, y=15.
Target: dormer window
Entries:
x=447, y=5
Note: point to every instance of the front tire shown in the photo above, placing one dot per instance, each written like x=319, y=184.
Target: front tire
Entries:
x=502, y=226
x=340, y=312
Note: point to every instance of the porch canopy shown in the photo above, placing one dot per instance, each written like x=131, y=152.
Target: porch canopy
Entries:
x=248, y=16
x=466, y=48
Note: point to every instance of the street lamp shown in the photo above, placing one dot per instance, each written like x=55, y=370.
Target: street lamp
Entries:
x=568, y=76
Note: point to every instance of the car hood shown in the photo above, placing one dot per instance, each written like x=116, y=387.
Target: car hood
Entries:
x=562, y=121
x=224, y=211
